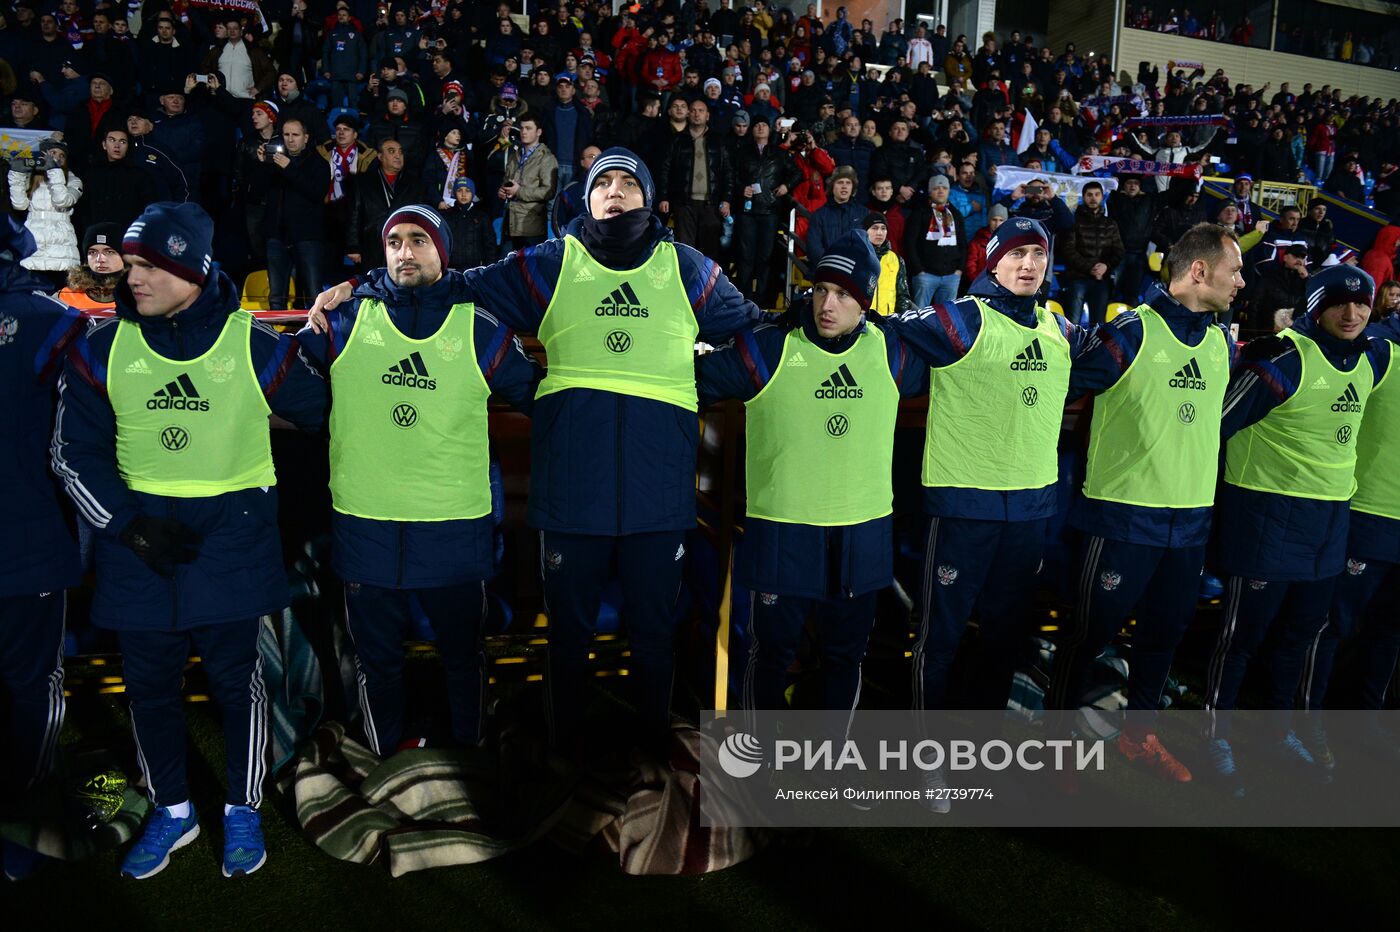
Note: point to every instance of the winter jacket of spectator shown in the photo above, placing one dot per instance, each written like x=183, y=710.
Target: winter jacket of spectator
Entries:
x=473, y=240
x=976, y=254
x=941, y=336
x=896, y=217
x=422, y=554
x=46, y=56
x=903, y=163
x=38, y=550
x=1347, y=185
x=298, y=108
x=1170, y=153
x=159, y=65
x=1134, y=218
x=1271, y=537
x=830, y=223
x=364, y=162
x=181, y=138
x=1107, y=354
x=393, y=42
x=673, y=184
x=238, y=573
x=1319, y=236
x=1093, y=238
x=859, y=153
x=768, y=169
x=991, y=154
x=264, y=69
x=602, y=462
x=957, y=65
x=661, y=63
x=963, y=199
x=295, y=196
x=583, y=131
x=892, y=290
x=372, y=199
x=1276, y=287
x=50, y=218
x=344, y=53
x=1275, y=161
x=803, y=560
x=411, y=133
x=1053, y=158
x=117, y=192
x=1380, y=260
x=923, y=255
x=527, y=213
x=1053, y=214
x=1322, y=139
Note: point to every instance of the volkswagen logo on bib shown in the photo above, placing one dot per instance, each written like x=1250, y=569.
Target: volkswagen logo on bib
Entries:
x=1186, y=413
x=837, y=425
x=1344, y=434
x=618, y=341
x=405, y=415
x=175, y=439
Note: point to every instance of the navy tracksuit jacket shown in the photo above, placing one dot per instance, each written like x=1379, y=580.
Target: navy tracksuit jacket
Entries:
x=1132, y=555
x=793, y=570
x=213, y=603
x=984, y=546
x=1282, y=553
x=438, y=567
x=38, y=550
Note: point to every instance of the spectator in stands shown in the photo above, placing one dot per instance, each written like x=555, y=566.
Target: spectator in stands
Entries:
x=473, y=243
x=696, y=183
x=568, y=129
x=1281, y=284
x=174, y=186
x=294, y=224
x=531, y=181
x=839, y=215
x=1275, y=161
x=892, y=290
x=1387, y=299
x=764, y=174
x=399, y=124
x=373, y=198
x=1322, y=149
x=443, y=166
x=1052, y=156
x=118, y=187
x=814, y=166
x=1346, y=181
x=348, y=159
x=291, y=103
x=1131, y=209
x=1381, y=259
x=1318, y=231
x=1091, y=250
x=1282, y=233
x=977, y=247
x=970, y=198
x=1171, y=150
x=882, y=201
x=853, y=150
x=91, y=284
x=344, y=58
x=935, y=245
x=244, y=68
x=49, y=192
x=995, y=150
x=1179, y=212
x=958, y=63
x=903, y=162
x=1037, y=200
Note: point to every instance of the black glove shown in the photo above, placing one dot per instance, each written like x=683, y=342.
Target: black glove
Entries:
x=161, y=543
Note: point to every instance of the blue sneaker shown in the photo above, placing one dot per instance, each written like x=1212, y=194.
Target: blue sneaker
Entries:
x=164, y=834
x=244, y=851
x=1211, y=586
x=1222, y=763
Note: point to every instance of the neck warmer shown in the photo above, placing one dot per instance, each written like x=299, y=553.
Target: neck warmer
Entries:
x=619, y=242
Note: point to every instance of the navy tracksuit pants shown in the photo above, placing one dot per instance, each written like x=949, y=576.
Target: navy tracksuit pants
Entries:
x=1252, y=607
x=576, y=568
x=31, y=672
x=842, y=629
x=376, y=620
x=153, y=666
x=989, y=567
x=1367, y=597
x=1115, y=577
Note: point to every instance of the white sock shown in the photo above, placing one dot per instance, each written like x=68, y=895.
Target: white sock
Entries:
x=180, y=810
x=228, y=807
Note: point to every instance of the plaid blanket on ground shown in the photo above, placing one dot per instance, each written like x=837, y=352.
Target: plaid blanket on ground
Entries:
x=436, y=807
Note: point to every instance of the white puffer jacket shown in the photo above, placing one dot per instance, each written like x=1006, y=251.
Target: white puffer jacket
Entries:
x=50, y=218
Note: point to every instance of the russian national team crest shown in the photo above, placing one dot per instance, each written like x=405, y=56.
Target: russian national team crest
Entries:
x=1355, y=567
x=219, y=368
x=8, y=328
x=449, y=348
x=1110, y=580
x=947, y=575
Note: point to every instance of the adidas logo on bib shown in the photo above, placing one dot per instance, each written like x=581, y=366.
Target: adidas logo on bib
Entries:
x=374, y=338
x=179, y=395
x=1030, y=359
x=139, y=367
x=1189, y=376
x=1320, y=383
x=583, y=275
x=623, y=302
x=410, y=373
x=841, y=384
x=796, y=360
x=1161, y=357
x=1348, y=401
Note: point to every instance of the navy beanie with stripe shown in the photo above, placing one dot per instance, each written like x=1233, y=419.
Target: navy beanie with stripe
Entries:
x=851, y=264
x=626, y=160
x=1338, y=284
x=1013, y=233
x=178, y=238
x=432, y=223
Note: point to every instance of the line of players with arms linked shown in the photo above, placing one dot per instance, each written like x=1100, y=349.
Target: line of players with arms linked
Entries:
x=161, y=440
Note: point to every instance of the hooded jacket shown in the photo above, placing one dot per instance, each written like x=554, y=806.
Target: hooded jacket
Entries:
x=421, y=554
x=945, y=333
x=803, y=560
x=1379, y=260
x=38, y=550
x=1282, y=538
x=238, y=573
